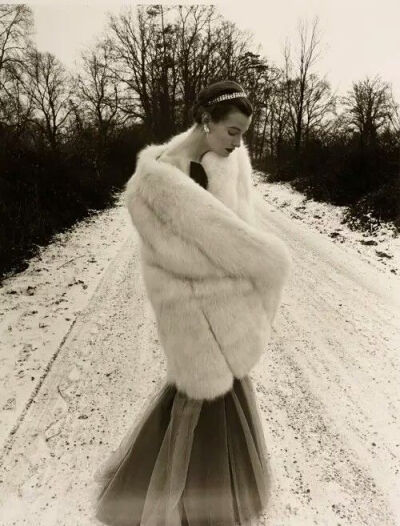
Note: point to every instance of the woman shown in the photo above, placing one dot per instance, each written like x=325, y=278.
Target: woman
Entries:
x=214, y=279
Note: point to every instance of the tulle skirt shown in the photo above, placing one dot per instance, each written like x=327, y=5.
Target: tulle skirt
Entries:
x=188, y=462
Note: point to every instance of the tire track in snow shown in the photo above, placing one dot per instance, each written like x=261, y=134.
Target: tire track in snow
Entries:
x=8, y=443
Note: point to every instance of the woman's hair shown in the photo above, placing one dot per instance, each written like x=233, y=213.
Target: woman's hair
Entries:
x=220, y=110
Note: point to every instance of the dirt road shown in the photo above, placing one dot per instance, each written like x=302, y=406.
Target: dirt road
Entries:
x=328, y=390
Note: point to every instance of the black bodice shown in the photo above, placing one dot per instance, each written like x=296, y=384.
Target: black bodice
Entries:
x=198, y=174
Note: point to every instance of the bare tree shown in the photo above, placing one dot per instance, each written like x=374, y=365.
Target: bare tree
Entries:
x=279, y=120
x=164, y=56
x=297, y=76
x=48, y=86
x=16, y=22
x=370, y=107
x=132, y=38
x=98, y=92
x=274, y=119
x=196, y=47
x=16, y=107
x=255, y=74
x=319, y=105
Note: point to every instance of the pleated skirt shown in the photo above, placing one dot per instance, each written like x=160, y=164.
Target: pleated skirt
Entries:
x=188, y=462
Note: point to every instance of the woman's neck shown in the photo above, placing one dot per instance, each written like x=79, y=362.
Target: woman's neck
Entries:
x=194, y=146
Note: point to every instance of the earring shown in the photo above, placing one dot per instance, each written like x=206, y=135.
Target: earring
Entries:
x=206, y=128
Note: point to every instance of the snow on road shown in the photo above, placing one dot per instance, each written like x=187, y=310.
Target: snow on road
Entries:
x=77, y=373
x=39, y=307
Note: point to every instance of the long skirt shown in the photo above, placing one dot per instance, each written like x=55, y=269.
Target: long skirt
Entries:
x=189, y=462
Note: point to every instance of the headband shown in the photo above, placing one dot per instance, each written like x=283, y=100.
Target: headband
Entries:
x=226, y=96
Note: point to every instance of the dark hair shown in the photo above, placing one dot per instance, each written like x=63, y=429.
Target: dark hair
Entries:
x=220, y=110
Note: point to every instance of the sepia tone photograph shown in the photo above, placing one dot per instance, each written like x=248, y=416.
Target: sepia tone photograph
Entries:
x=200, y=263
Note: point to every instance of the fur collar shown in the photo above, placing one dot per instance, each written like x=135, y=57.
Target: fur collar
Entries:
x=229, y=178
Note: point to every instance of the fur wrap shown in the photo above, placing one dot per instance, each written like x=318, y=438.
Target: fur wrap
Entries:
x=213, y=275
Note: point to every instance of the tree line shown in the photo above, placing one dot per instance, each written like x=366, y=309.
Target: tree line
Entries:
x=71, y=138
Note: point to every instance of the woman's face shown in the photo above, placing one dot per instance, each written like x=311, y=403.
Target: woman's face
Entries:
x=226, y=135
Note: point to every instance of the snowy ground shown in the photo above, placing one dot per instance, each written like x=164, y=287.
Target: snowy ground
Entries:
x=80, y=359
x=380, y=249
x=40, y=306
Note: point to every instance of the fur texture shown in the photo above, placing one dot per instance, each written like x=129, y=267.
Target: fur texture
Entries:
x=213, y=277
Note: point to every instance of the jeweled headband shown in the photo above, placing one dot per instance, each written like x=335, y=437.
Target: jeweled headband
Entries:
x=225, y=97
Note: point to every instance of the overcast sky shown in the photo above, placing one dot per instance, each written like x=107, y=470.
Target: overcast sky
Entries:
x=359, y=37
